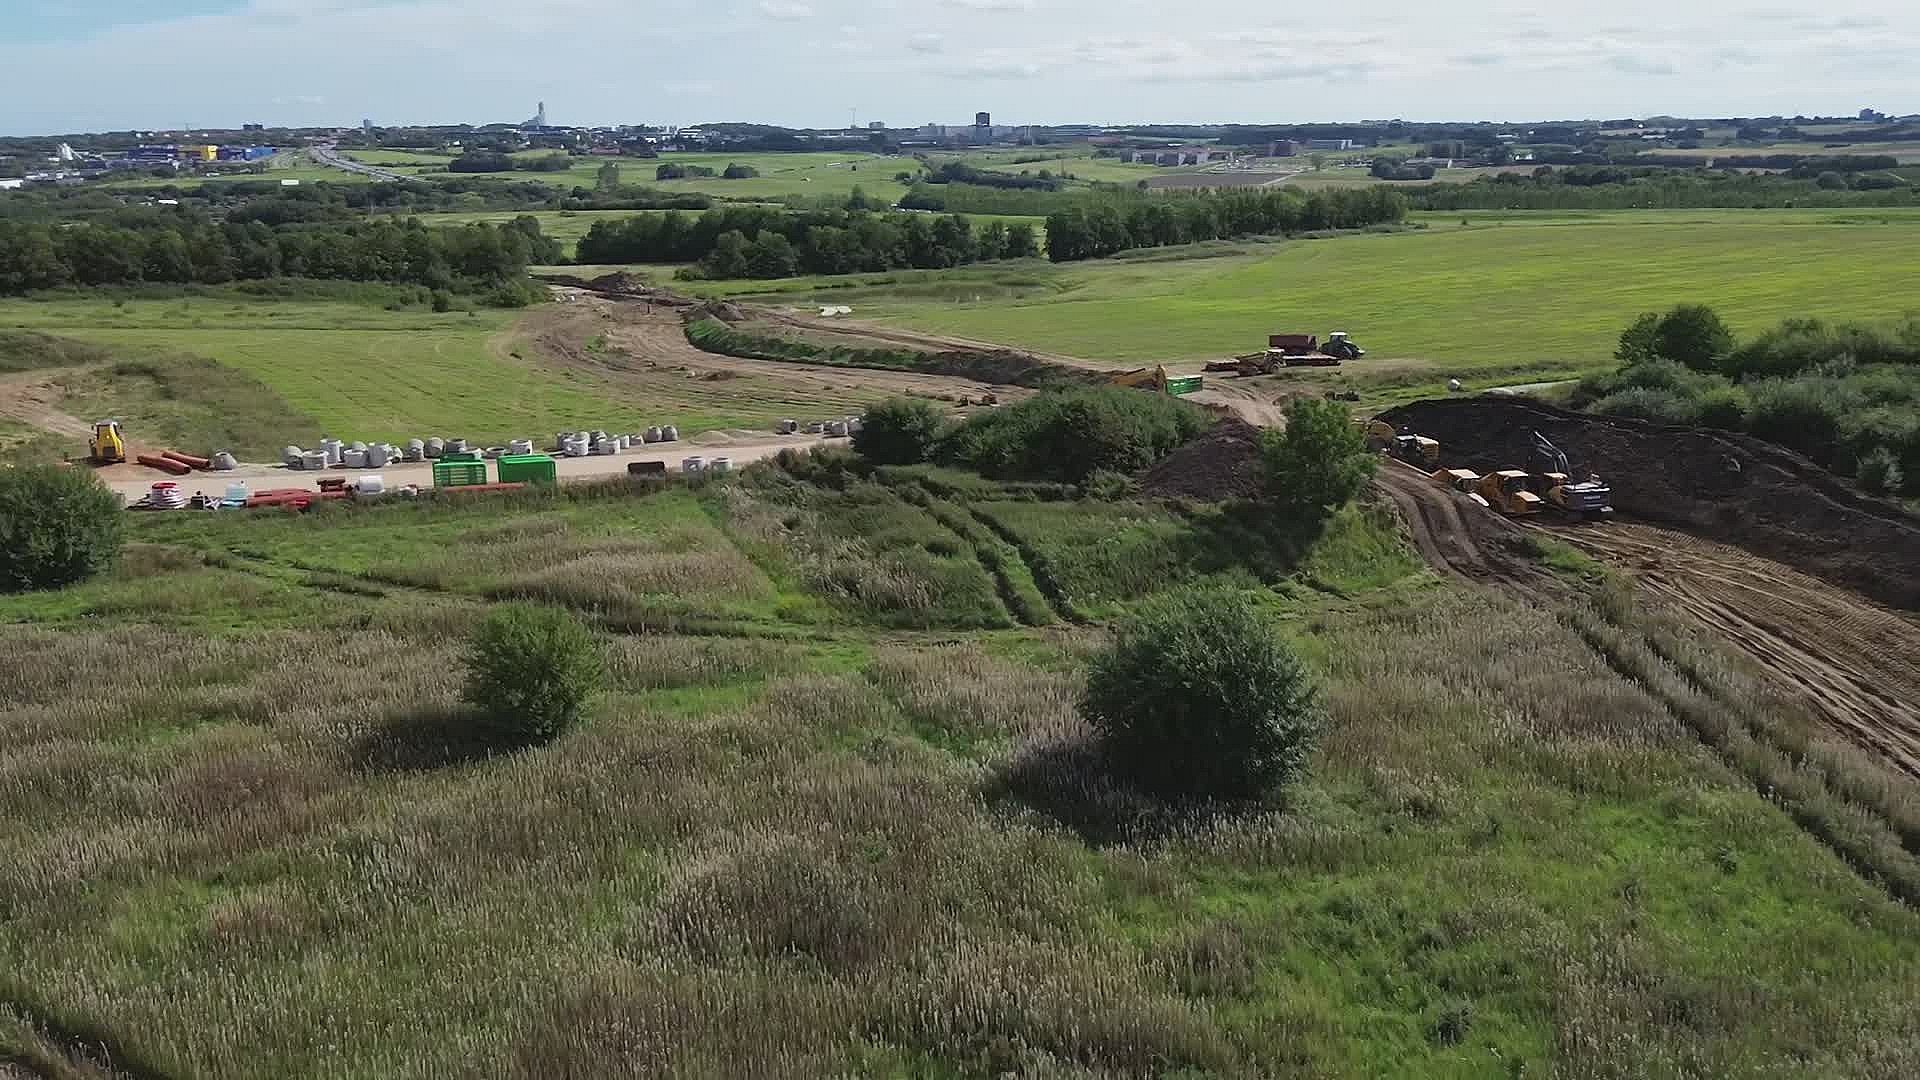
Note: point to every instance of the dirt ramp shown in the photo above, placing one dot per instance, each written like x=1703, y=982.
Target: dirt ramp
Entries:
x=1714, y=484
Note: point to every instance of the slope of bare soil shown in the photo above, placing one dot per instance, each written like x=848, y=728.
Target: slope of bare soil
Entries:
x=1713, y=484
x=1858, y=663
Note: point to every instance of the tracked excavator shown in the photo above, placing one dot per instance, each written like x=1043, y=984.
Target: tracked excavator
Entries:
x=1554, y=482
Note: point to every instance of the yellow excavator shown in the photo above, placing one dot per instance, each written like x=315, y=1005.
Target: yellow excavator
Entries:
x=108, y=446
x=1157, y=380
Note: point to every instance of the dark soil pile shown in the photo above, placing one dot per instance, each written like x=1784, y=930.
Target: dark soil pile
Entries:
x=723, y=310
x=1716, y=484
x=1224, y=463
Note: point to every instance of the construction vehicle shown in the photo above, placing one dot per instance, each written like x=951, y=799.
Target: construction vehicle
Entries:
x=1589, y=498
x=1510, y=491
x=1416, y=450
x=1306, y=349
x=1156, y=379
x=108, y=446
x=1464, y=481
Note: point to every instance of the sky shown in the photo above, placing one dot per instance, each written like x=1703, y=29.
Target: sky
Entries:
x=95, y=65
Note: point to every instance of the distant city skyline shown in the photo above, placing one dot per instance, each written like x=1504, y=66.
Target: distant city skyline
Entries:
x=92, y=65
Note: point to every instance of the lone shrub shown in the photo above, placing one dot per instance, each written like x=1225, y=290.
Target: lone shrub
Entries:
x=530, y=670
x=1880, y=472
x=899, y=431
x=1690, y=334
x=1197, y=697
x=1319, y=463
x=57, y=526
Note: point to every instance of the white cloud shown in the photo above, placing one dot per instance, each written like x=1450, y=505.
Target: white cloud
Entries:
x=927, y=43
x=785, y=9
x=991, y=5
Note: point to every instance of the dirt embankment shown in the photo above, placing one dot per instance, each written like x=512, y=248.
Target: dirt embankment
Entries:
x=1713, y=484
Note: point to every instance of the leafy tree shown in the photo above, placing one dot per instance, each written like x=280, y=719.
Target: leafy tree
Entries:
x=1021, y=242
x=899, y=431
x=728, y=259
x=57, y=526
x=1638, y=341
x=737, y=171
x=607, y=178
x=1693, y=335
x=530, y=670
x=1319, y=462
x=1197, y=697
x=770, y=255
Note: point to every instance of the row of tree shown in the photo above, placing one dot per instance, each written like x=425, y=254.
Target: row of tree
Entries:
x=1623, y=188
x=766, y=242
x=1108, y=227
x=182, y=249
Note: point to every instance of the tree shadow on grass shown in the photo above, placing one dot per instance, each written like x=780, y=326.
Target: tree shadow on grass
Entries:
x=435, y=737
x=1266, y=540
x=1076, y=784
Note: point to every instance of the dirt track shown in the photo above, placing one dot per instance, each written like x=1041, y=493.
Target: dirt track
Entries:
x=1457, y=536
x=33, y=398
x=1858, y=663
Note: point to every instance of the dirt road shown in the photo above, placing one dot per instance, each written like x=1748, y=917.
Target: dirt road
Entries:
x=1455, y=535
x=1858, y=663
x=33, y=398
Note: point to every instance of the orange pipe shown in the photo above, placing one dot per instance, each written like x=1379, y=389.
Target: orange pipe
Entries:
x=187, y=459
x=164, y=464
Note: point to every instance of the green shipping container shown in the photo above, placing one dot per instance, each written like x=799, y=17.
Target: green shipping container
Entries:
x=528, y=469
x=1186, y=385
x=459, y=473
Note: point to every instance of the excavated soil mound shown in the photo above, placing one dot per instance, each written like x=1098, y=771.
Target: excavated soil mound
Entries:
x=1224, y=463
x=1715, y=484
x=722, y=310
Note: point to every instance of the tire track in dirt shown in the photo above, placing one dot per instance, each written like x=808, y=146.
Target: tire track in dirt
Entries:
x=1458, y=537
x=1857, y=663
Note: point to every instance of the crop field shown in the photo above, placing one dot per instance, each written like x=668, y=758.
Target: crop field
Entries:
x=364, y=372
x=1473, y=294
x=833, y=813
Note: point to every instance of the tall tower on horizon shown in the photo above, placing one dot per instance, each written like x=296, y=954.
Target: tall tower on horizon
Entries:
x=540, y=118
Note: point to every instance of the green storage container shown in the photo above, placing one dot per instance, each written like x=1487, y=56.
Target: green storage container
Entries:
x=528, y=469
x=462, y=455
x=1187, y=385
x=459, y=473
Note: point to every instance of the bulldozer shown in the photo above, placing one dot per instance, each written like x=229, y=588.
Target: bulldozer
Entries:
x=1464, y=481
x=1510, y=491
x=1589, y=498
x=108, y=446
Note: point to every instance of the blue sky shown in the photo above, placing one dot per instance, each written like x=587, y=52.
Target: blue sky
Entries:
x=77, y=65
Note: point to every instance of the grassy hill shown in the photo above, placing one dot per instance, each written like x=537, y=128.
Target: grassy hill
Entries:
x=834, y=814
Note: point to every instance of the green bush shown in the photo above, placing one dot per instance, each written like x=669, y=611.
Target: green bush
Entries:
x=58, y=525
x=899, y=431
x=1197, y=697
x=530, y=670
x=1690, y=334
x=1319, y=462
x=1880, y=472
x=1068, y=435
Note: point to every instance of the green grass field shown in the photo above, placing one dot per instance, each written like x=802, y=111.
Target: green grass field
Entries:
x=1508, y=293
x=781, y=175
x=363, y=372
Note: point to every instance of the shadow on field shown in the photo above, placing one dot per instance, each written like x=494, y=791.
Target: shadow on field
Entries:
x=436, y=737
x=1247, y=534
x=1073, y=783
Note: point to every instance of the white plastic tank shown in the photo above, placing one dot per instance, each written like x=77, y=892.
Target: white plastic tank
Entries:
x=692, y=464
x=354, y=459
x=360, y=446
x=815, y=427
x=669, y=434
x=332, y=449
x=576, y=446
x=236, y=492
x=436, y=447
x=377, y=456
x=371, y=485
x=720, y=464
x=456, y=446
x=787, y=427
x=656, y=434
x=854, y=424
x=837, y=429
x=224, y=462
x=520, y=446
x=313, y=461
x=416, y=450
x=290, y=456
